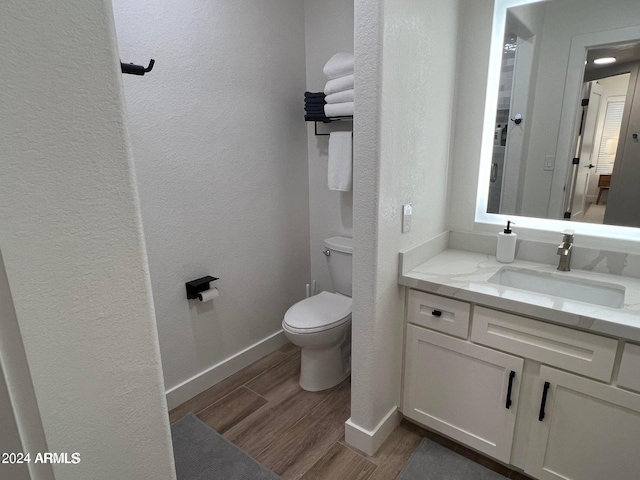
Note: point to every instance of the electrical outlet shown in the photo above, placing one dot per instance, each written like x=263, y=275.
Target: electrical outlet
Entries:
x=407, y=211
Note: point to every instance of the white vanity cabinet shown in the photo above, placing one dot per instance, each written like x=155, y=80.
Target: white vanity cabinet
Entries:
x=586, y=431
x=465, y=391
x=590, y=427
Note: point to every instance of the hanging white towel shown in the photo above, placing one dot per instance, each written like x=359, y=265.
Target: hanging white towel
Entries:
x=344, y=109
x=340, y=161
x=340, y=97
x=339, y=84
x=339, y=65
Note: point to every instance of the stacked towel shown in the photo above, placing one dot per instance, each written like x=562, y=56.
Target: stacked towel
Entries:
x=339, y=84
x=314, y=106
x=339, y=65
x=339, y=88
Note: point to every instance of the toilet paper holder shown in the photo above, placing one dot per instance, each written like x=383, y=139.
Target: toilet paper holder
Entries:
x=194, y=287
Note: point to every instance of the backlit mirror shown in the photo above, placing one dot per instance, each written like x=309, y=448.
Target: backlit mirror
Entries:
x=562, y=128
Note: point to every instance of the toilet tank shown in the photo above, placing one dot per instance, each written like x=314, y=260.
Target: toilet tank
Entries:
x=340, y=264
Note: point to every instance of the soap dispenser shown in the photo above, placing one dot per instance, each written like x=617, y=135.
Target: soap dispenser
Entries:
x=506, y=250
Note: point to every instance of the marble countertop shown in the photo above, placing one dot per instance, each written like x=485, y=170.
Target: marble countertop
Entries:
x=464, y=276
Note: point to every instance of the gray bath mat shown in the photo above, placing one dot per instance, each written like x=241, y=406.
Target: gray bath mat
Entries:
x=201, y=453
x=432, y=461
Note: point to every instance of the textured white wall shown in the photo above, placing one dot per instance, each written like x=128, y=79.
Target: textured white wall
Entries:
x=476, y=17
x=366, y=154
x=220, y=153
x=419, y=64
x=328, y=30
x=404, y=114
x=72, y=242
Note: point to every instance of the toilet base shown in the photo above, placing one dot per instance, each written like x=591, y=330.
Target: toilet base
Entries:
x=321, y=369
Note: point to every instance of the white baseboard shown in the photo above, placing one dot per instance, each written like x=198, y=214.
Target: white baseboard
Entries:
x=209, y=377
x=368, y=441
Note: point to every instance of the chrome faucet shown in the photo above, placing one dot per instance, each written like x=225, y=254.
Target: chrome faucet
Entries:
x=564, y=250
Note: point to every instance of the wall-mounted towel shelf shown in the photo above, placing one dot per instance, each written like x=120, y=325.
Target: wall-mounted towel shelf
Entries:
x=136, y=69
x=328, y=120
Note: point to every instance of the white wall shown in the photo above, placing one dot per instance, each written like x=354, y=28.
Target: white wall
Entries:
x=328, y=30
x=419, y=61
x=404, y=113
x=474, y=39
x=72, y=242
x=220, y=153
x=368, y=29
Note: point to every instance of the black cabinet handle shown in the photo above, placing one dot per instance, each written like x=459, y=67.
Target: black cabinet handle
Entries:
x=511, y=377
x=436, y=313
x=544, y=400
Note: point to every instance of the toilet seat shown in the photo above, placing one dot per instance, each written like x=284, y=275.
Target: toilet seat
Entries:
x=318, y=313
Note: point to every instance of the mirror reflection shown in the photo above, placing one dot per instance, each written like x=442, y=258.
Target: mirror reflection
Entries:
x=566, y=142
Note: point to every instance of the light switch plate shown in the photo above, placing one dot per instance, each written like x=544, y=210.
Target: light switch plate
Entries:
x=407, y=211
x=549, y=162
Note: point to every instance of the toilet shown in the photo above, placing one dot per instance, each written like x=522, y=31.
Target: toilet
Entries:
x=321, y=324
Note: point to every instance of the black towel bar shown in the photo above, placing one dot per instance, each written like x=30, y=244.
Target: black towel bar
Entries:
x=327, y=120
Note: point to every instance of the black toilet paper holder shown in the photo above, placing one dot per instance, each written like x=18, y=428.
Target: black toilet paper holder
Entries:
x=194, y=287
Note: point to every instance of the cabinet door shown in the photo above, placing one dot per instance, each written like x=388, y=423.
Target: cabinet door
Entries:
x=590, y=431
x=461, y=390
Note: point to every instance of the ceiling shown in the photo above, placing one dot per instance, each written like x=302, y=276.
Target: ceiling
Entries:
x=624, y=53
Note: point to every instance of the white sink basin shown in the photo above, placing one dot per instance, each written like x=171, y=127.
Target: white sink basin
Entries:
x=559, y=285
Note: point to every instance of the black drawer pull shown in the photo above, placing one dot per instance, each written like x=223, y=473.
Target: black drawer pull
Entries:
x=436, y=313
x=511, y=377
x=544, y=400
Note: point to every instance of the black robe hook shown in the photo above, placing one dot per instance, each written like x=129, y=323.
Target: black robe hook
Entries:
x=136, y=69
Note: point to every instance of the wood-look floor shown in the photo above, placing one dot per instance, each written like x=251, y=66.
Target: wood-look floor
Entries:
x=299, y=434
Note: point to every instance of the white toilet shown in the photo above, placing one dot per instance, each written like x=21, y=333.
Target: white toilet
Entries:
x=321, y=324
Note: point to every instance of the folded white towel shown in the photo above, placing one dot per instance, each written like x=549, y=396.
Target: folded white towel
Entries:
x=339, y=65
x=344, y=109
x=340, y=161
x=340, y=97
x=339, y=84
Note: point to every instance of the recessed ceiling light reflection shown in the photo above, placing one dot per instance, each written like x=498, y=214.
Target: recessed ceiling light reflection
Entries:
x=604, y=60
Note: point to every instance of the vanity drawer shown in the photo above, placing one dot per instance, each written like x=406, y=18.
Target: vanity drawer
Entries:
x=439, y=313
x=573, y=350
x=629, y=376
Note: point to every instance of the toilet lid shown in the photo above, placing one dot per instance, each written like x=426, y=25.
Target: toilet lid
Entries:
x=319, y=312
